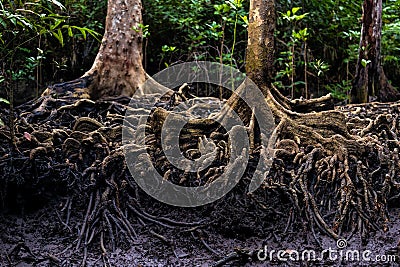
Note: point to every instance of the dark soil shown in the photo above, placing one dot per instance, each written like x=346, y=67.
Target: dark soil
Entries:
x=46, y=242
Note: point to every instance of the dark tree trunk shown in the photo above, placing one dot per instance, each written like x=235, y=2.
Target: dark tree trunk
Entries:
x=370, y=79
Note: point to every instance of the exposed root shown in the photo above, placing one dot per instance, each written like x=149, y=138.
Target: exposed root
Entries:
x=82, y=159
x=339, y=169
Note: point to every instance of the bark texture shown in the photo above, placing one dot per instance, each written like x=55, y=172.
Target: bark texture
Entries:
x=117, y=69
x=370, y=79
x=260, y=43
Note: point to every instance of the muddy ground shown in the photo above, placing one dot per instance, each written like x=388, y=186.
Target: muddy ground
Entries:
x=37, y=237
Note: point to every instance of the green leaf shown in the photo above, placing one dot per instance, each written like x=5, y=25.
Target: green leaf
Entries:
x=232, y=4
x=4, y=100
x=300, y=17
x=365, y=62
x=56, y=24
x=166, y=48
x=83, y=31
x=246, y=21
x=70, y=34
x=226, y=7
x=59, y=36
x=295, y=9
x=3, y=23
x=299, y=83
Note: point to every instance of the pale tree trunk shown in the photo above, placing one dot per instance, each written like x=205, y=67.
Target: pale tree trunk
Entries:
x=117, y=69
x=260, y=58
x=259, y=53
x=261, y=42
x=370, y=79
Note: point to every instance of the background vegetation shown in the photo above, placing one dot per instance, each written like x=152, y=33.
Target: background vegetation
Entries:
x=48, y=41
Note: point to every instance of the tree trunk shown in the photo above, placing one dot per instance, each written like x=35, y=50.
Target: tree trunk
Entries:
x=261, y=42
x=117, y=69
x=370, y=79
x=260, y=58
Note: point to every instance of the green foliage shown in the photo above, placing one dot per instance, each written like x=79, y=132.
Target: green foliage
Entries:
x=199, y=29
x=319, y=67
x=47, y=41
x=167, y=50
x=290, y=58
x=37, y=19
x=391, y=40
x=326, y=32
x=291, y=16
x=301, y=35
x=144, y=29
x=365, y=62
x=32, y=34
x=341, y=90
